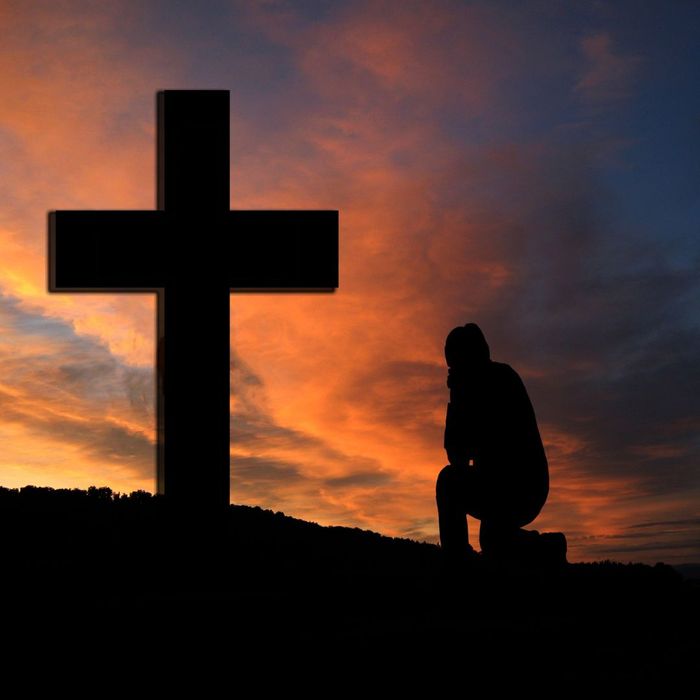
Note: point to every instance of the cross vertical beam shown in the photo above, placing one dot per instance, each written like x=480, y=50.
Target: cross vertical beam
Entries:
x=193, y=308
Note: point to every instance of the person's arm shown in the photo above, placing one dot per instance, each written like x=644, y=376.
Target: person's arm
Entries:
x=454, y=432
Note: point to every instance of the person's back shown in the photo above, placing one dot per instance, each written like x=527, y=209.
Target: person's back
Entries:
x=491, y=424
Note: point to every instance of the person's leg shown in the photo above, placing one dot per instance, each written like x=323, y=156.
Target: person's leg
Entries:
x=455, y=490
x=508, y=505
x=497, y=536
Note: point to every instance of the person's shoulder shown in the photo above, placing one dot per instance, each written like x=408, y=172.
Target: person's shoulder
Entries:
x=503, y=369
x=505, y=372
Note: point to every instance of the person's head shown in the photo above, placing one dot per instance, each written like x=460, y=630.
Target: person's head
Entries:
x=466, y=346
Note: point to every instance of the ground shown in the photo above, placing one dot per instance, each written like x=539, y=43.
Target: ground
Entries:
x=92, y=570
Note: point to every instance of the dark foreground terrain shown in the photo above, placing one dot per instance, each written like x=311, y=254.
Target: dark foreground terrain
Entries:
x=125, y=581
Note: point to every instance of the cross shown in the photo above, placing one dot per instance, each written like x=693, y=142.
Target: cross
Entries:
x=192, y=251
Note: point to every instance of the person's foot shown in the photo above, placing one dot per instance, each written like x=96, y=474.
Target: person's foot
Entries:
x=460, y=561
x=470, y=555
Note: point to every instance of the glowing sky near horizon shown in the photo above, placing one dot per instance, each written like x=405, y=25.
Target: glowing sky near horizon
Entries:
x=532, y=167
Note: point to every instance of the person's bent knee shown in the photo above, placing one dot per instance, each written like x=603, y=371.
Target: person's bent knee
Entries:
x=444, y=482
x=445, y=476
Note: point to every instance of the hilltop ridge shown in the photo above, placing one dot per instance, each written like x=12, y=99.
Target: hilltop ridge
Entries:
x=76, y=558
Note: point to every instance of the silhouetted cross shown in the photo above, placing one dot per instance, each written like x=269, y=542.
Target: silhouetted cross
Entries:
x=192, y=252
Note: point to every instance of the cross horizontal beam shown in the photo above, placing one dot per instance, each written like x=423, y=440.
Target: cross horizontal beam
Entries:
x=148, y=250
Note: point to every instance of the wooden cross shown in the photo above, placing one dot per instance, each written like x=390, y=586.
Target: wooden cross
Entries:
x=192, y=252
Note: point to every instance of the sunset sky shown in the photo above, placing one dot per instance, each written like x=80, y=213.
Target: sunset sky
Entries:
x=533, y=167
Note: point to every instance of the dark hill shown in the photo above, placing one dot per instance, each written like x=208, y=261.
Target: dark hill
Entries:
x=105, y=568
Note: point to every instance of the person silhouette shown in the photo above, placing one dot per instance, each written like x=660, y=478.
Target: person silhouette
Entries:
x=497, y=471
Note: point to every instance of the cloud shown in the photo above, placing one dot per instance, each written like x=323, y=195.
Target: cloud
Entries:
x=278, y=466
x=77, y=414
x=608, y=75
x=445, y=139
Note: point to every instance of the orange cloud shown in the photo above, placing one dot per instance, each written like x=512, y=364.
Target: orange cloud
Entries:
x=608, y=75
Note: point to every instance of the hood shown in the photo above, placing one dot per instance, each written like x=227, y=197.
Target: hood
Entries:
x=466, y=347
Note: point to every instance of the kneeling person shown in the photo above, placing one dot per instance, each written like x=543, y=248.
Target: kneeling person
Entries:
x=497, y=470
